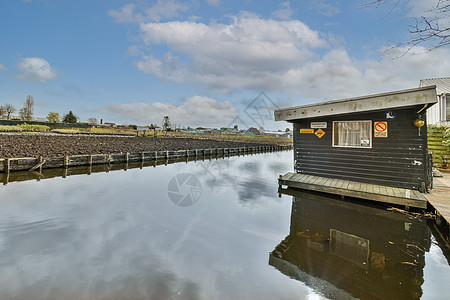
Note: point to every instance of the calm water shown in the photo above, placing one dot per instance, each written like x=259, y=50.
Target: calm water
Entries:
x=207, y=230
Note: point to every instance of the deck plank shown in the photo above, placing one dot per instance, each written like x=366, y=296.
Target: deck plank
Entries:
x=355, y=189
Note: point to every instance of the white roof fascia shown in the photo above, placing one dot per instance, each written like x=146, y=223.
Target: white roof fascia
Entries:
x=384, y=101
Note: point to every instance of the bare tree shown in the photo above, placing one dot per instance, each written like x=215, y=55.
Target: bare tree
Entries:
x=166, y=125
x=9, y=109
x=93, y=121
x=431, y=31
x=2, y=112
x=27, y=111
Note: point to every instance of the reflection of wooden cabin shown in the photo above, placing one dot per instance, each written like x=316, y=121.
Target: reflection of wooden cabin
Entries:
x=345, y=250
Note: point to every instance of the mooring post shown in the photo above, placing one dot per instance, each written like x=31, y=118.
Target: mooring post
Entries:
x=90, y=160
x=7, y=165
x=142, y=156
x=155, y=155
x=41, y=163
x=66, y=161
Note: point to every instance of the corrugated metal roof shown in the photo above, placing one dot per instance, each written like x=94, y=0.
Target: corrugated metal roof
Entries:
x=442, y=84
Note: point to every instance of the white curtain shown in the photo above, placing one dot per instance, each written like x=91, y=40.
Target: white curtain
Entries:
x=352, y=133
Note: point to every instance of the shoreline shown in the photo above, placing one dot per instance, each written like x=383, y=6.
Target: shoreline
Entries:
x=32, y=164
x=39, y=145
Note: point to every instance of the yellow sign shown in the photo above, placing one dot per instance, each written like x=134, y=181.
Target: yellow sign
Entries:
x=320, y=133
x=306, y=130
x=381, y=129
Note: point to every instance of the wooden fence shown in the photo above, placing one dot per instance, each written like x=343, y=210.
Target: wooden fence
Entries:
x=32, y=164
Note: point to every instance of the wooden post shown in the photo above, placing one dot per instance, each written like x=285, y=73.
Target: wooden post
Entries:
x=6, y=180
x=127, y=157
x=142, y=156
x=90, y=160
x=155, y=155
x=66, y=161
x=7, y=165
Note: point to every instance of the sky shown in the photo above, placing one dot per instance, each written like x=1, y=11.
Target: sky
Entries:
x=210, y=63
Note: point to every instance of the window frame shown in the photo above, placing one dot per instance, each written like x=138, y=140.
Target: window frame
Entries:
x=357, y=147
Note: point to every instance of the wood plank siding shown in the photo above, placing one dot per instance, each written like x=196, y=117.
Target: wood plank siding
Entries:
x=398, y=160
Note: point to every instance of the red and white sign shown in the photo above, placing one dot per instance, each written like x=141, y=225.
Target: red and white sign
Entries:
x=381, y=129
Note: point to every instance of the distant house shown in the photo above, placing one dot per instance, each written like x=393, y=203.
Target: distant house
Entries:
x=109, y=124
x=253, y=130
x=439, y=114
x=230, y=130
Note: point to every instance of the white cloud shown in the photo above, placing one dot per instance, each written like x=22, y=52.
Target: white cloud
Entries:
x=2, y=68
x=242, y=54
x=123, y=15
x=213, y=2
x=155, y=13
x=196, y=110
x=285, y=11
x=35, y=69
x=324, y=8
x=419, y=8
x=253, y=53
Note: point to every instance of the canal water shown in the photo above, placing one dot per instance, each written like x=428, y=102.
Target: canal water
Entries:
x=213, y=229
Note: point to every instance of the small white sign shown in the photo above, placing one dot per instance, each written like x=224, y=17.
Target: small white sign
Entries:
x=318, y=124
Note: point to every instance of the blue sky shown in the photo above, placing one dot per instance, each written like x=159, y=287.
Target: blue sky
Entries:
x=202, y=62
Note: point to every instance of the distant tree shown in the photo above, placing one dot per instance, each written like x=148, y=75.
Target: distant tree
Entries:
x=9, y=109
x=153, y=127
x=53, y=117
x=70, y=118
x=93, y=121
x=166, y=125
x=27, y=111
x=2, y=112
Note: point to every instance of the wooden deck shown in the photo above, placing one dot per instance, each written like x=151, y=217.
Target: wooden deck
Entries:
x=380, y=193
x=439, y=197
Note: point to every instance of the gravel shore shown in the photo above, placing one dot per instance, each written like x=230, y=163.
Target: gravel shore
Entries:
x=55, y=146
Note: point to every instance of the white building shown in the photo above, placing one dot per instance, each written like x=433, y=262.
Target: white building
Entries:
x=439, y=114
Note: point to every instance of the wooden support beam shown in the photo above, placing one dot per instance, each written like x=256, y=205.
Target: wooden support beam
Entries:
x=39, y=165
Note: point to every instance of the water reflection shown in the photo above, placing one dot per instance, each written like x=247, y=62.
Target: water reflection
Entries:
x=118, y=235
x=344, y=250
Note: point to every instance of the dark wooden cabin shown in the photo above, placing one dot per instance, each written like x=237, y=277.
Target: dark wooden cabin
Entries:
x=374, y=139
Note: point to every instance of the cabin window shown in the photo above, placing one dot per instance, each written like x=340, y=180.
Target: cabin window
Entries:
x=352, y=134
